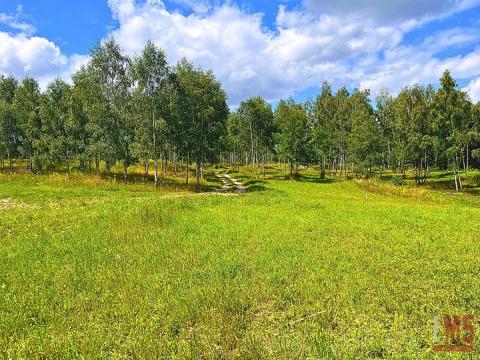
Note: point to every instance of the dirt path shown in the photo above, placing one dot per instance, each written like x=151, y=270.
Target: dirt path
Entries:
x=229, y=183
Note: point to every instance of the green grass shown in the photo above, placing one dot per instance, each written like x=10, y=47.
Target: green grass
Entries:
x=96, y=269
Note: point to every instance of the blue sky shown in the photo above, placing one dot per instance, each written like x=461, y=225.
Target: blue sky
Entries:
x=273, y=49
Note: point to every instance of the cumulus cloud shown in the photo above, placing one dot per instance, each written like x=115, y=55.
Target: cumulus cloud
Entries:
x=413, y=64
x=247, y=58
x=474, y=89
x=390, y=11
x=303, y=50
x=404, y=67
x=22, y=54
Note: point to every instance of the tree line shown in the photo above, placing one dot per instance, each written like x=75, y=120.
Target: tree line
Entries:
x=345, y=135
x=118, y=110
x=126, y=110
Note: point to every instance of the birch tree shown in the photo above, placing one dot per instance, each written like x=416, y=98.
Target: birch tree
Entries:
x=151, y=73
x=26, y=106
x=9, y=128
x=110, y=70
x=202, y=115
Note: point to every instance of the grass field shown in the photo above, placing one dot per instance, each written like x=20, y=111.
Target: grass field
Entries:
x=335, y=270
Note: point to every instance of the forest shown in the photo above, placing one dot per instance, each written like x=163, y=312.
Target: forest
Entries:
x=128, y=110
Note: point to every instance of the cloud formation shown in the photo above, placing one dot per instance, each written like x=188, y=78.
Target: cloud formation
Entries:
x=15, y=21
x=306, y=47
x=323, y=40
x=382, y=11
x=24, y=54
x=474, y=89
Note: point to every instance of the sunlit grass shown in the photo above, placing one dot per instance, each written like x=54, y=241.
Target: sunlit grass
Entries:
x=95, y=268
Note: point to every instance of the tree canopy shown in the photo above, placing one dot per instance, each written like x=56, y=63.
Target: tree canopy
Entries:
x=124, y=110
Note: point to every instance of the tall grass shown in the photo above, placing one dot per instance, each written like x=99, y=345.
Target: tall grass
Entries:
x=295, y=270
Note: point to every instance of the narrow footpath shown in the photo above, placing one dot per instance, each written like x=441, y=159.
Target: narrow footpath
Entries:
x=230, y=183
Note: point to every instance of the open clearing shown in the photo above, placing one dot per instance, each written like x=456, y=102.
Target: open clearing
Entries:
x=288, y=270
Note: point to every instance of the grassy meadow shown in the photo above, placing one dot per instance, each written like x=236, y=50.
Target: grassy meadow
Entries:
x=334, y=269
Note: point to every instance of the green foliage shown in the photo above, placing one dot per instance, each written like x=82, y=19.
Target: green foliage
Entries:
x=293, y=136
x=122, y=110
x=151, y=101
x=398, y=180
x=365, y=141
x=202, y=113
x=119, y=110
x=476, y=154
x=251, y=129
x=26, y=106
x=110, y=70
x=9, y=129
x=57, y=137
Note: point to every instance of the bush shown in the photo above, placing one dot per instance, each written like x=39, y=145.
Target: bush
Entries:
x=398, y=180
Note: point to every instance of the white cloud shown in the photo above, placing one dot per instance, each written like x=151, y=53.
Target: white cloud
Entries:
x=14, y=23
x=409, y=65
x=23, y=55
x=382, y=11
x=198, y=6
x=302, y=52
x=246, y=57
x=474, y=89
x=451, y=39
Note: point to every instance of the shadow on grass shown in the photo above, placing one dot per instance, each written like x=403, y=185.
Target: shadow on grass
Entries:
x=171, y=182
x=255, y=185
x=251, y=179
x=317, y=180
x=441, y=181
x=257, y=188
x=442, y=175
x=177, y=183
x=449, y=185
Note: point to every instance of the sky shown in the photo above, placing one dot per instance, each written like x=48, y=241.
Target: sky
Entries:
x=275, y=49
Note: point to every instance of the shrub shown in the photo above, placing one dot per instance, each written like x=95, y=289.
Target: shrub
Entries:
x=398, y=180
